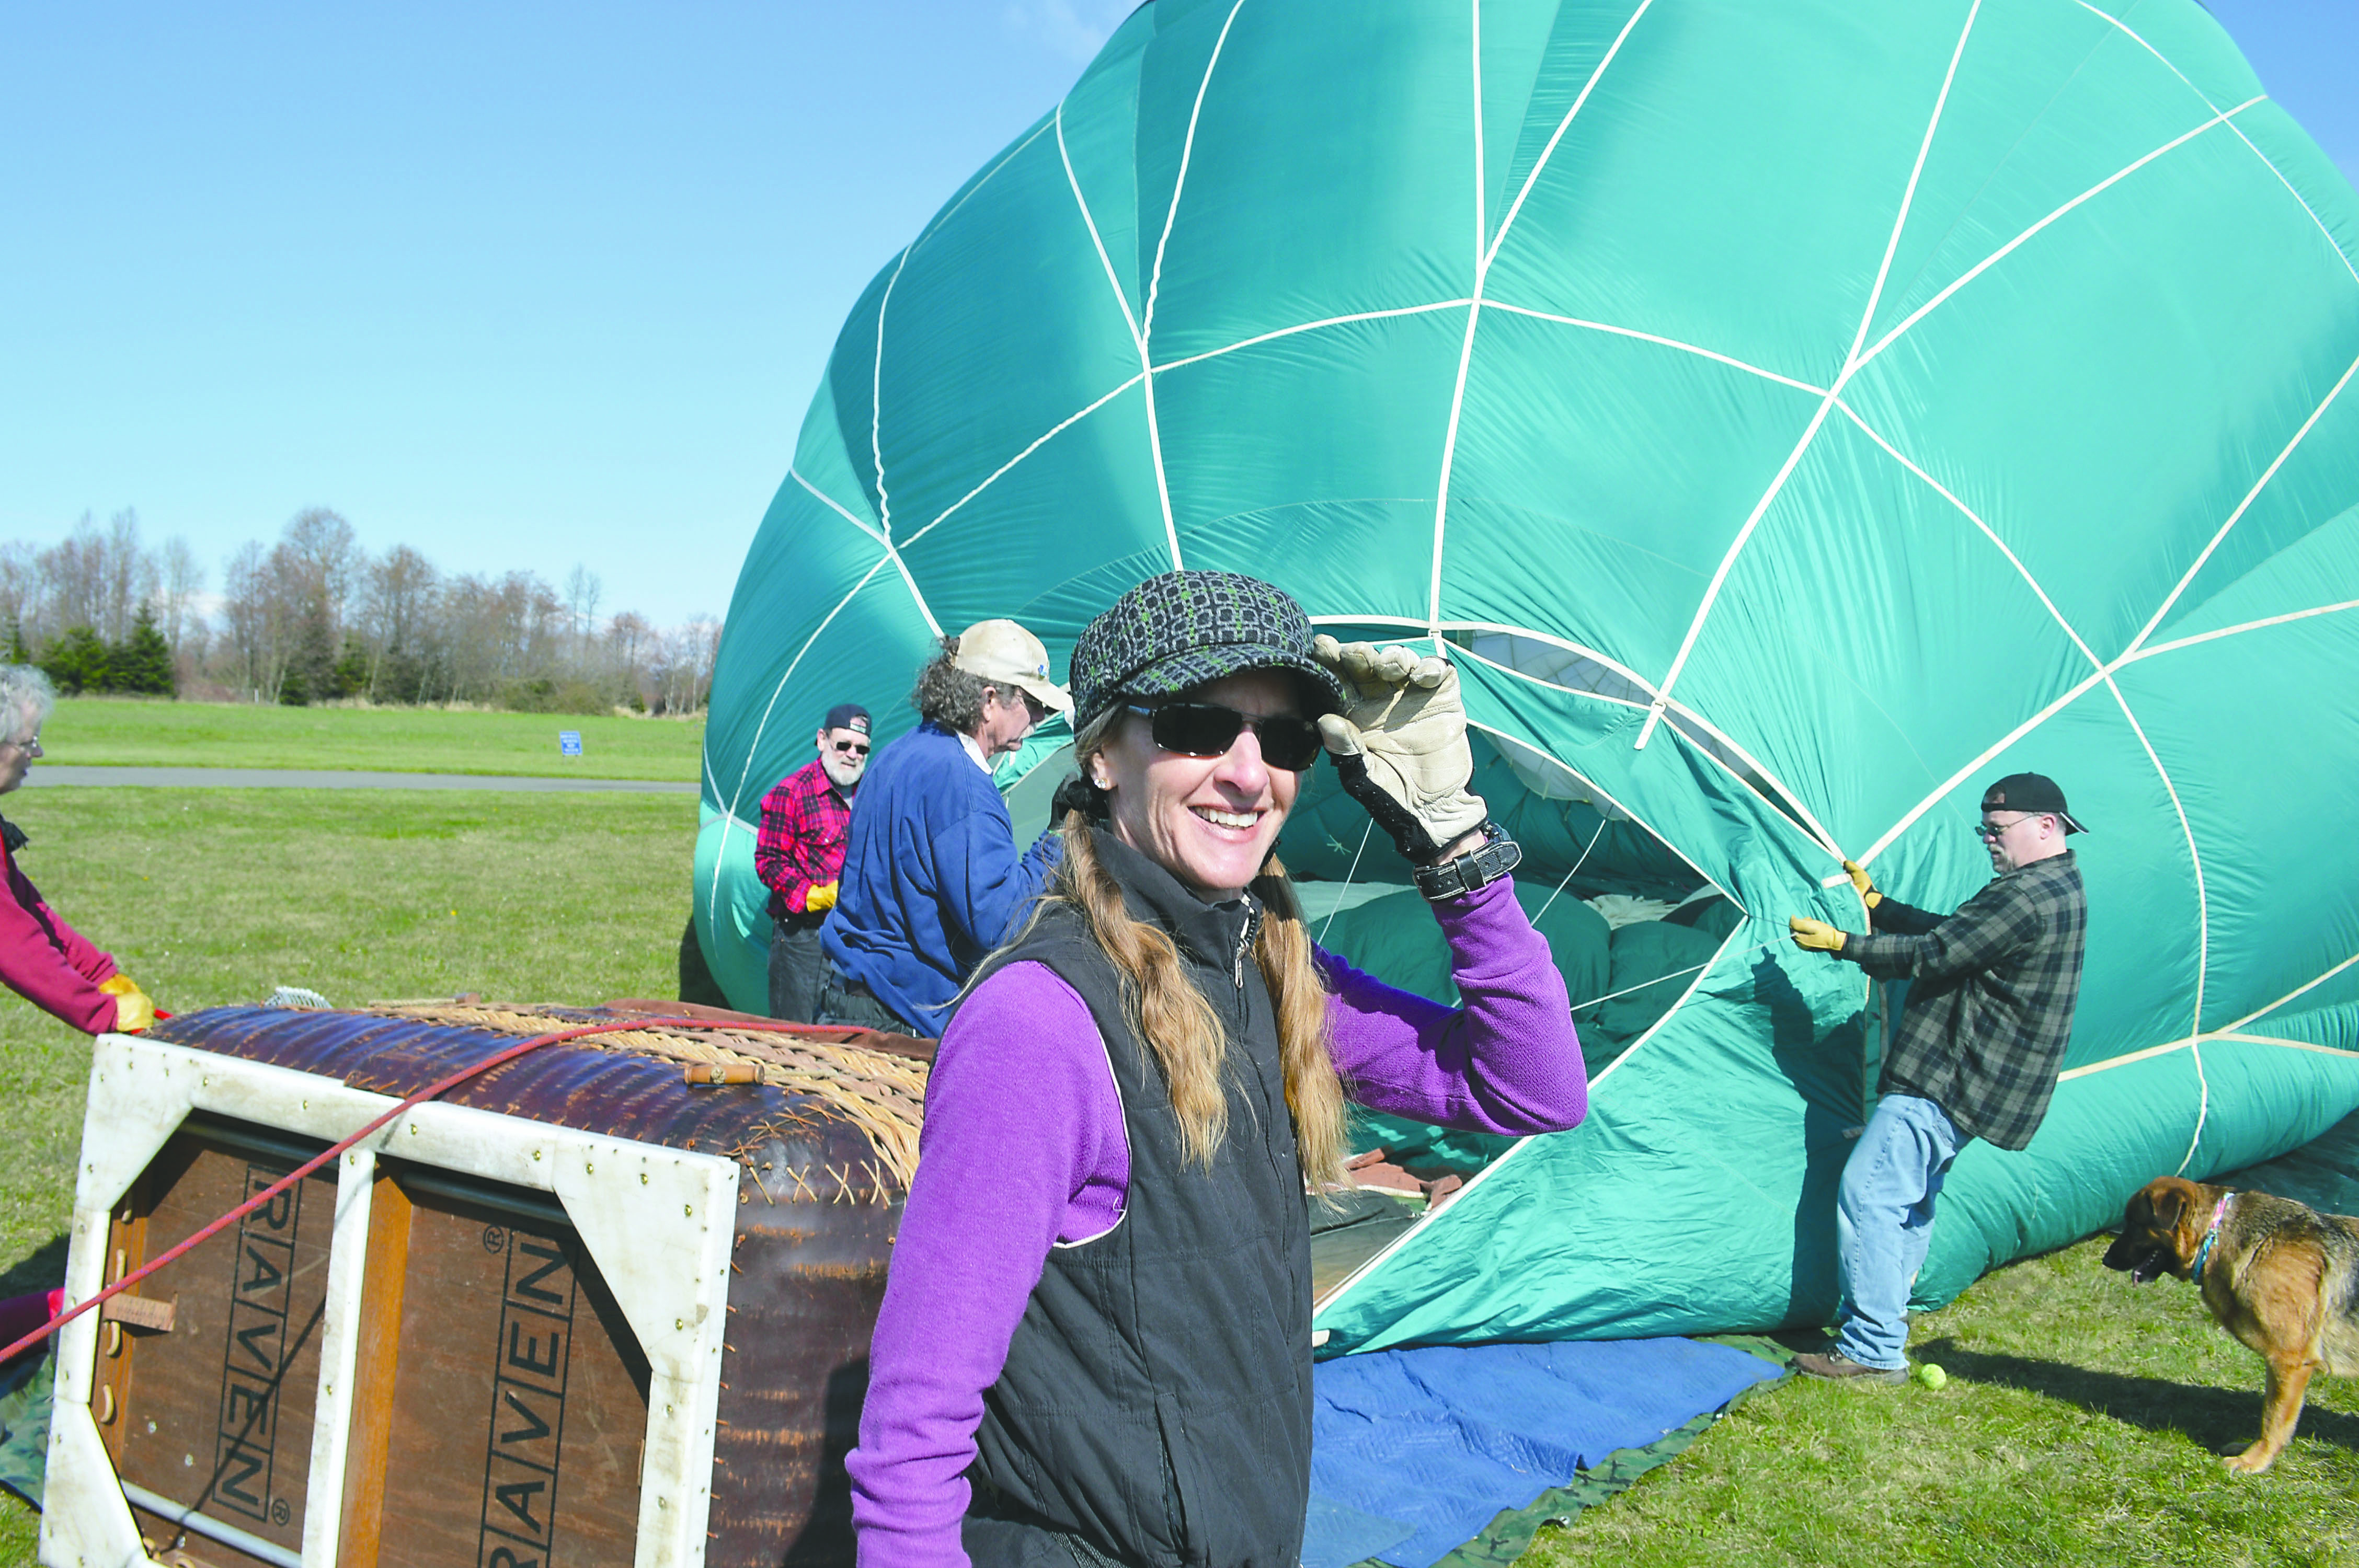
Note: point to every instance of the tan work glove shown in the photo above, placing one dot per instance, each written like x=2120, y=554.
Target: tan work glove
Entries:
x=1816, y=935
x=133, y=1009
x=821, y=898
x=1860, y=880
x=1400, y=746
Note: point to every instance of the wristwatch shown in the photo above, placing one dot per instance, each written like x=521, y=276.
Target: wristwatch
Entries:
x=1477, y=868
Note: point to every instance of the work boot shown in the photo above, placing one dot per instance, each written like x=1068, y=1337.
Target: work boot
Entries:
x=1836, y=1367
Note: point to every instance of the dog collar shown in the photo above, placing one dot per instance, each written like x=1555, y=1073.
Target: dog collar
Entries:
x=2203, y=1248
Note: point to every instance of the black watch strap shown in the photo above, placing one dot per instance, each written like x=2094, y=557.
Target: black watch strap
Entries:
x=1477, y=868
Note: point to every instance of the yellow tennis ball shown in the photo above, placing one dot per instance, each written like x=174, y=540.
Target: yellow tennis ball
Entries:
x=1930, y=1375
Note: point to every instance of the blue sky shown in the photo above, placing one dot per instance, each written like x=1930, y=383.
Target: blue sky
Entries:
x=522, y=284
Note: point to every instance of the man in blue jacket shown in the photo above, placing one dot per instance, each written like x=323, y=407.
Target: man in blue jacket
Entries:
x=932, y=879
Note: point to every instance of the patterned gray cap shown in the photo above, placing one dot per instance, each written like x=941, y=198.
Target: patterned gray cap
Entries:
x=1183, y=629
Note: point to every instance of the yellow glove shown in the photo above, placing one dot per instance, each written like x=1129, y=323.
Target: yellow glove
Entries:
x=821, y=898
x=133, y=1009
x=1859, y=879
x=1815, y=935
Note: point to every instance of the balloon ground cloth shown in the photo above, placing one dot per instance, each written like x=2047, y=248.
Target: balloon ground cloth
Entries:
x=1416, y=1453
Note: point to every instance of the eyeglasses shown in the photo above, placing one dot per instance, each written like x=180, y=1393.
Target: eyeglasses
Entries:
x=31, y=748
x=854, y=747
x=1990, y=833
x=1208, y=730
x=1035, y=709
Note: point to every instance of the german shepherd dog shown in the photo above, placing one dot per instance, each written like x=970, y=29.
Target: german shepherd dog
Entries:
x=2279, y=1276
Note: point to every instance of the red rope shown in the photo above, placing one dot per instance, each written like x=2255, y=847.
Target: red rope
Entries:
x=432, y=1091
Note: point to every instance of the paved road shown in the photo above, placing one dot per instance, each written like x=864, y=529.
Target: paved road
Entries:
x=291, y=778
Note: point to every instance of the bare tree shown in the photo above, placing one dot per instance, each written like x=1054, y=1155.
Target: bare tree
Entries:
x=180, y=578
x=583, y=593
x=93, y=577
x=254, y=623
x=631, y=645
x=126, y=575
x=685, y=672
x=397, y=610
x=320, y=558
x=20, y=589
x=501, y=631
x=73, y=579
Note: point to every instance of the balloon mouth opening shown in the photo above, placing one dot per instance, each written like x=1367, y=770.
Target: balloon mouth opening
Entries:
x=1633, y=926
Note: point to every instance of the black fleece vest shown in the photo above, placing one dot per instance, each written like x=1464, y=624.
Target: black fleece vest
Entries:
x=1156, y=1399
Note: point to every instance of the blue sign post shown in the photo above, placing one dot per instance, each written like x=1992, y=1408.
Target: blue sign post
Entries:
x=569, y=742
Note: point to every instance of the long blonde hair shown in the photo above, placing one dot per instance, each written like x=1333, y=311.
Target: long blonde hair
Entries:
x=1165, y=1010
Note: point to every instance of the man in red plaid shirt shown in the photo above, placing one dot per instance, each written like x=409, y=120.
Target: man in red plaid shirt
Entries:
x=798, y=854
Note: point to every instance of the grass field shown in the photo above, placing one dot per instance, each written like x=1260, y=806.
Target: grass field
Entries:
x=96, y=731
x=2077, y=1429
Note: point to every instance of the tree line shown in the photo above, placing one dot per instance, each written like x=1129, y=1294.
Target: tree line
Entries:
x=315, y=617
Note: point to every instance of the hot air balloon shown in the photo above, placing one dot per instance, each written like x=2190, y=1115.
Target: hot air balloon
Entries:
x=1789, y=416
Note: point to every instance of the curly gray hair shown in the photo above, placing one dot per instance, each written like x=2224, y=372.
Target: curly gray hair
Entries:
x=26, y=699
x=950, y=697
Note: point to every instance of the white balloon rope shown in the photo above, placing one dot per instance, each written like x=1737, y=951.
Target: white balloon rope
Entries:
x=1337, y=908
x=1658, y=979
x=1593, y=838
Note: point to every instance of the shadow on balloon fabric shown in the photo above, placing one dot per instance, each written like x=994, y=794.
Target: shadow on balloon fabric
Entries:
x=1414, y=1453
x=25, y=1423
x=2323, y=1172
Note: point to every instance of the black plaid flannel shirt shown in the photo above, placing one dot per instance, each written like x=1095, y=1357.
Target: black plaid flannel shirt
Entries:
x=1990, y=1010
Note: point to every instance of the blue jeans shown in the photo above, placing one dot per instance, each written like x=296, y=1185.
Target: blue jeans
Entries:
x=1884, y=1223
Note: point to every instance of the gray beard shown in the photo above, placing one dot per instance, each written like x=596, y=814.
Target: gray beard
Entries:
x=827, y=766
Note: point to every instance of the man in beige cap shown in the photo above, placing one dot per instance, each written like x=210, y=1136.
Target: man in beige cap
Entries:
x=933, y=878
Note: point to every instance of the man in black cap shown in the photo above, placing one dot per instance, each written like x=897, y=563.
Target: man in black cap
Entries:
x=1977, y=1054
x=798, y=855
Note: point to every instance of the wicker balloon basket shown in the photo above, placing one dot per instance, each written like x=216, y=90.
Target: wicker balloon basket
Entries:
x=607, y=1303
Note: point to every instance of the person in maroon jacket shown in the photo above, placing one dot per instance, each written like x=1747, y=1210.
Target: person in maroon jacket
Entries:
x=42, y=958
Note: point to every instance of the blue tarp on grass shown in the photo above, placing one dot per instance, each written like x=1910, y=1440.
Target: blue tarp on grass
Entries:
x=1415, y=1451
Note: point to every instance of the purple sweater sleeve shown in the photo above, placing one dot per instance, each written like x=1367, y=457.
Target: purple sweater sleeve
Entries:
x=1023, y=1148
x=1507, y=1061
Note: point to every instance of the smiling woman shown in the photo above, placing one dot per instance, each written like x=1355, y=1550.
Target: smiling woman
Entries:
x=1207, y=806
x=1101, y=1286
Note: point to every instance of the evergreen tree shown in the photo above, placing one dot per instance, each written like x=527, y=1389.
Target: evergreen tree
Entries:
x=77, y=662
x=18, y=653
x=400, y=677
x=143, y=661
x=311, y=673
x=352, y=671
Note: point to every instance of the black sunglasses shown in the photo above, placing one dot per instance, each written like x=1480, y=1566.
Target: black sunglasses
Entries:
x=852, y=746
x=1208, y=730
